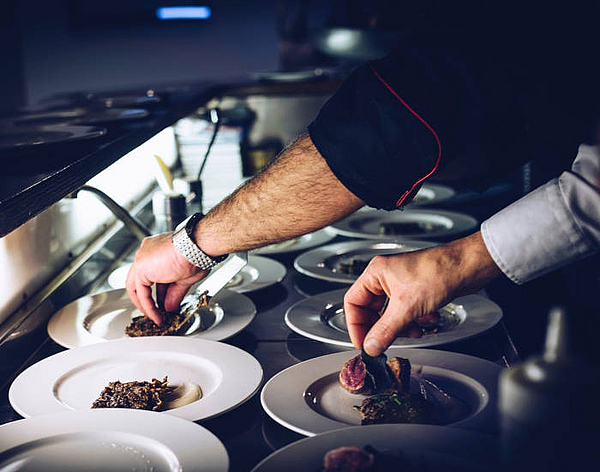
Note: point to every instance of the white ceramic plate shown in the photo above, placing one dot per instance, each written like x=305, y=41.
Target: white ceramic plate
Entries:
x=439, y=448
x=104, y=316
x=308, y=399
x=431, y=194
x=109, y=440
x=432, y=224
x=325, y=262
x=260, y=272
x=20, y=137
x=79, y=116
x=321, y=318
x=73, y=379
x=301, y=243
x=291, y=76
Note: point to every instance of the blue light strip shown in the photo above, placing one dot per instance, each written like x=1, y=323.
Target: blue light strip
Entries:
x=183, y=13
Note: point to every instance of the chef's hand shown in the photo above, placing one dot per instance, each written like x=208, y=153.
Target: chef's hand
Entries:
x=157, y=261
x=416, y=284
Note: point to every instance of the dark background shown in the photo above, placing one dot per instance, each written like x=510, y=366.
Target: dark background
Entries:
x=56, y=46
x=61, y=45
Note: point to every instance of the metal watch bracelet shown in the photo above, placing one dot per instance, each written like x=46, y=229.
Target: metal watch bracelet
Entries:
x=192, y=253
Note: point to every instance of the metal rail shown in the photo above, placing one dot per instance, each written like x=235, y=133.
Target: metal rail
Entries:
x=14, y=321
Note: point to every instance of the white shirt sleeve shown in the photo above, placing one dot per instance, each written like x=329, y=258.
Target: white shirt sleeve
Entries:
x=554, y=225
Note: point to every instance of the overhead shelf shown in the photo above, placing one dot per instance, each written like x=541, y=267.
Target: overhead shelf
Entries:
x=32, y=179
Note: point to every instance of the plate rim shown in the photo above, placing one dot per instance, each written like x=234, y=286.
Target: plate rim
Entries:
x=262, y=265
x=463, y=223
x=212, y=351
x=446, y=191
x=78, y=118
x=483, y=421
x=80, y=132
x=434, y=339
x=338, y=438
x=225, y=329
x=308, y=258
x=318, y=237
x=127, y=421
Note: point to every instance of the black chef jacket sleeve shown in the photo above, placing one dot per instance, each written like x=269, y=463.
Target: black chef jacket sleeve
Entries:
x=374, y=142
x=397, y=120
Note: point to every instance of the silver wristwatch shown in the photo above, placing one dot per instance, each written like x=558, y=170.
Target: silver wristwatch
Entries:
x=182, y=240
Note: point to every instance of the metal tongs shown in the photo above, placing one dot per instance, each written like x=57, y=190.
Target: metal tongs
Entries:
x=219, y=276
x=195, y=302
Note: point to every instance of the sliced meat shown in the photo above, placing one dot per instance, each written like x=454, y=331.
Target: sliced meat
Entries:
x=354, y=378
x=428, y=320
x=348, y=459
x=366, y=375
x=400, y=368
x=411, y=330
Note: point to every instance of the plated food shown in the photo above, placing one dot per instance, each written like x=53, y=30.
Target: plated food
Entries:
x=106, y=316
x=408, y=224
x=402, y=447
x=156, y=395
x=74, y=379
x=322, y=318
x=308, y=398
x=344, y=262
x=173, y=322
x=110, y=441
x=387, y=386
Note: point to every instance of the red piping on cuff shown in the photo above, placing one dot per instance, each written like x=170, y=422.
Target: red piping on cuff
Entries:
x=437, y=139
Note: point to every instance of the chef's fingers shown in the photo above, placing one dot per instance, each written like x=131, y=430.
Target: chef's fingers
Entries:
x=386, y=329
x=365, y=294
x=177, y=290
x=144, y=294
x=358, y=322
x=362, y=304
x=428, y=319
x=174, y=294
x=130, y=287
x=161, y=290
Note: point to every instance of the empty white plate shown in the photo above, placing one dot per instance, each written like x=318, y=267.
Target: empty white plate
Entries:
x=109, y=440
x=300, y=243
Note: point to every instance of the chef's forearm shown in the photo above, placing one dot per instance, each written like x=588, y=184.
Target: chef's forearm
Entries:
x=295, y=195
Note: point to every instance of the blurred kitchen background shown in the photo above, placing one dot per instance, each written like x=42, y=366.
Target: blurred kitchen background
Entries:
x=285, y=58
